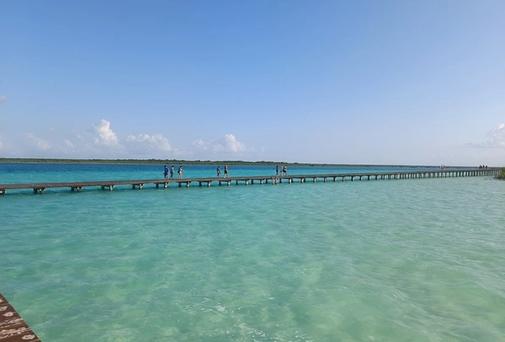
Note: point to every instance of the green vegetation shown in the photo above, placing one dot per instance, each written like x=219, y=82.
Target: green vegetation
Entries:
x=501, y=175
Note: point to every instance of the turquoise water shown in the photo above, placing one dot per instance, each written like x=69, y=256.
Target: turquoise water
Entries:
x=402, y=260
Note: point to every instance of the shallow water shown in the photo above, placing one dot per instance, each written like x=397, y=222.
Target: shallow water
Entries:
x=381, y=260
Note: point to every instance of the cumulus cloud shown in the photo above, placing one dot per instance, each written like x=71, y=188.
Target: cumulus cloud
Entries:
x=155, y=141
x=229, y=143
x=105, y=134
x=232, y=144
x=148, y=144
x=3, y=99
x=497, y=136
x=39, y=143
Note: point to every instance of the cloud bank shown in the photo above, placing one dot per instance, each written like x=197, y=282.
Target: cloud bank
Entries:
x=102, y=141
x=229, y=143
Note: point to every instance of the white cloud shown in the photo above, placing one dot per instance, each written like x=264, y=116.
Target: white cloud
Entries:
x=39, y=143
x=201, y=144
x=229, y=143
x=155, y=141
x=497, y=136
x=69, y=143
x=99, y=140
x=495, y=139
x=232, y=144
x=3, y=99
x=106, y=135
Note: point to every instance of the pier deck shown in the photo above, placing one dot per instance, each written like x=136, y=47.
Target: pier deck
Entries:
x=38, y=188
x=12, y=327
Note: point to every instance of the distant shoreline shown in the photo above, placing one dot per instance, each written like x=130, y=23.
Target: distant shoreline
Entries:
x=188, y=162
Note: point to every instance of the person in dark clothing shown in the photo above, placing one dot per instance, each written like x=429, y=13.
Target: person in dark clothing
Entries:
x=218, y=171
x=172, y=171
x=165, y=171
x=226, y=170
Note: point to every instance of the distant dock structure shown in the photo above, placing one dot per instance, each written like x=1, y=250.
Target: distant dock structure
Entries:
x=165, y=183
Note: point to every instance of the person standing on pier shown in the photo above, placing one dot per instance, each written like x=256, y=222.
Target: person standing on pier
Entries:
x=180, y=171
x=277, y=169
x=165, y=171
x=172, y=171
x=285, y=170
x=218, y=171
x=226, y=170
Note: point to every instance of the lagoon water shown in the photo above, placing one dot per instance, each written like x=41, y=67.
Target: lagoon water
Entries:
x=416, y=260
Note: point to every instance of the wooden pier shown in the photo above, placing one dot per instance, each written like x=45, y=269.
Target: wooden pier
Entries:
x=138, y=184
x=12, y=327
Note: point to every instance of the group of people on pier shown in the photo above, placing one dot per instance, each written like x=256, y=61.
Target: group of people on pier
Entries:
x=167, y=171
x=225, y=169
x=281, y=171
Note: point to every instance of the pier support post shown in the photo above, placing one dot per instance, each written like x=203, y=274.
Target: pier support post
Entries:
x=2, y=191
x=38, y=190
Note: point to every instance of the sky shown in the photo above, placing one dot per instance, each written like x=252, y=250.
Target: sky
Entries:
x=375, y=82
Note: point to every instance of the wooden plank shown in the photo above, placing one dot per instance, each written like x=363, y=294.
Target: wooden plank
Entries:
x=12, y=327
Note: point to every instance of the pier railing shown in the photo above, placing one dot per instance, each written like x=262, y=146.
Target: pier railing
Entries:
x=38, y=188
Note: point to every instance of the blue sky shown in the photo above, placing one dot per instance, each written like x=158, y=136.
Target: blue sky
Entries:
x=403, y=82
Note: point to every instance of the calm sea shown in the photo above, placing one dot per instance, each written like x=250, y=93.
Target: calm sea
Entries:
x=409, y=260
